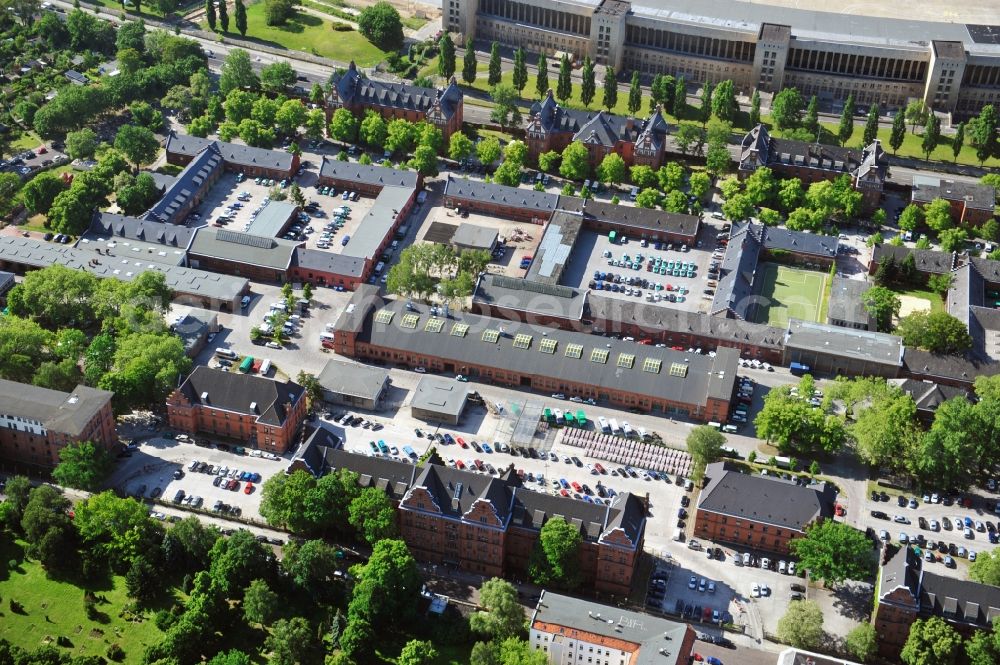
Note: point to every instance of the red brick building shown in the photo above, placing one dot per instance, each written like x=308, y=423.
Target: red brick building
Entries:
x=236, y=157
x=971, y=203
x=489, y=525
x=258, y=412
x=36, y=423
x=358, y=94
x=760, y=512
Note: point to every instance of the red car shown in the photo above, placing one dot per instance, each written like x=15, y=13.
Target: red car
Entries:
x=600, y=469
x=840, y=510
x=564, y=492
x=42, y=150
x=479, y=464
x=234, y=485
x=248, y=489
x=461, y=442
x=576, y=486
x=459, y=464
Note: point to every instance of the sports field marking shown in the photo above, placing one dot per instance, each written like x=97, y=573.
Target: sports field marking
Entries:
x=788, y=293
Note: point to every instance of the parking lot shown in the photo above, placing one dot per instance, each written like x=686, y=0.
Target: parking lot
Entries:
x=328, y=205
x=688, y=292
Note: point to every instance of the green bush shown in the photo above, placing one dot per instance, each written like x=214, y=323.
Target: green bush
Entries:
x=116, y=653
x=341, y=27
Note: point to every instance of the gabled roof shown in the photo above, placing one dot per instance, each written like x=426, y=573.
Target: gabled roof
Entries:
x=541, y=203
x=606, y=129
x=737, y=273
x=555, y=248
x=236, y=392
x=106, y=224
x=874, y=162
x=64, y=413
x=972, y=194
x=343, y=377
x=353, y=88
x=328, y=262
x=926, y=260
x=243, y=248
x=548, y=116
x=232, y=153
x=759, y=148
x=844, y=342
x=900, y=572
x=960, y=369
x=642, y=219
x=765, y=499
x=370, y=174
x=846, y=302
x=929, y=395
x=190, y=183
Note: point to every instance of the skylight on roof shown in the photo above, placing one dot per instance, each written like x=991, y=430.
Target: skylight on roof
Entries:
x=459, y=329
x=652, y=365
x=574, y=350
x=522, y=341
x=434, y=325
x=548, y=345
x=678, y=369
x=491, y=336
x=384, y=316
x=599, y=356
x=626, y=360
x=410, y=321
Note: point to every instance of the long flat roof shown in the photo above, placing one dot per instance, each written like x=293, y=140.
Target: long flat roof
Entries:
x=66, y=413
x=347, y=378
x=272, y=219
x=245, y=248
x=846, y=342
x=185, y=281
x=440, y=395
x=530, y=297
x=377, y=224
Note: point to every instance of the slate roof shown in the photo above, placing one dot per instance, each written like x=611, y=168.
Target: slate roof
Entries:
x=607, y=130
x=370, y=174
x=759, y=148
x=765, y=499
x=844, y=342
x=658, y=317
x=28, y=252
x=440, y=395
x=846, y=303
x=649, y=639
x=630, y=217
x=929, y=395
x=6, y=281
x=353, y=88
x=926, y=260
x=973, y=194
x=470, y=348
x=366, y=297
x=232, y=153
x=348, y=378
x=548, y=115
x=530, y=297
x=190, y=183
x=235, y=392
x=920, y=363
x=328, y=262
x=64, y=413
x=900, y=571
x=733, y=295
x=542, y=203
x=107, y=227
x=243, y=248
x=799, y=242
x=312, y=453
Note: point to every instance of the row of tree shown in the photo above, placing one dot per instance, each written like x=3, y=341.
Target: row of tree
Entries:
x=435, y=268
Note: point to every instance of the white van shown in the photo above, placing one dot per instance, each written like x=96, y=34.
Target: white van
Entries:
x=627, y=429
x=614, y=426
x=642, y=433
x=379, y=267
x=265, y=367
x=327, y=336
x=678, y=535
x=228, y=354
x=605, y=427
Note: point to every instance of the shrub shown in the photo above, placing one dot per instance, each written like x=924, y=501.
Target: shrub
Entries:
x=341, y=27
x=116, y=653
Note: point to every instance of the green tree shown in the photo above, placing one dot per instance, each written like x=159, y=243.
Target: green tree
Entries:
x=446, y=59
x=137, y=143
x=916, y=114
x=488, y=150
x=705, y=111
x=871, y=126
x=387, y=587
x=502, y=615
x=699, y=184
x=344, y=126
x=417, y=652
x=82, y=144
x=381, y=25
x=982, y=133
x=373, y=130
x=986, y=568
x=83, y=466
x=290, y=642
x=689, y=138
x=958, y=141
x=938, y=332
x=932, y=135
x=47, y=528
x=705, y=445
x=238, y=560
x=802, y=625
x=575, y=161
x=210, y=14
x=724, y=105
x=460, y=146
x=237, y=72
x=277, y=12
x=120, y=530
x=223, y=16
x=952, y=240
x=137, y=193
x=549, y=161
x=755, y=108
x=795, y=427
x=610, y=88
x=679, y=98
x=469, y=63
x=951, y=452
x=931, y=642
x=833, y=552
x=885, y=432
x=883, y=305
x=231, y=657
x=898, y=132
x=277, y=77
x=146, y=368
x=55, y=297
x=520, y=73
x=642, y=176
x=315, y=124
x=811, y=121
x=39, y=192
x=612, y=169
x=310, y=565
x=505, y=105
x=846, y=128
x=862, y=642
x=738, y=208
x=496, y=71
x=564, y=84
x=241, y=17
x=588, y=86
x=786, y=108
x=372, y=514
x=648, y=198
x=717, y=159
x=984, y=647
x=555, y=559
x=260, y=603
x=635, y=94
x=911, y=218
x=424, y=161
x=542, y=76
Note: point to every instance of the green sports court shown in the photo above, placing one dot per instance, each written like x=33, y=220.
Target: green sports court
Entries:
x=787, y=292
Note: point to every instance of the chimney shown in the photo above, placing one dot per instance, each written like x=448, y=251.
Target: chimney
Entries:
x=253, y=407
x=204, y=397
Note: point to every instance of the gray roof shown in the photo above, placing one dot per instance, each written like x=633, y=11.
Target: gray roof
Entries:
x=692, y=388
x=799, y=242
x=759, y=148
x=926, y=260
x=607, y=130
x=370, y=174
x=243, y=248
x=348, y=378
x=6, y=281
x=929, y=395
x=845, y=342
x=521, y=198
x=555, y=248
x=548, y=115
x=355, y=314
x=28, y=252
x=630, y=217
x=194, y=327
x=440, y=395
x=313, y=452
x=456, y=492
x=272, y=218
x=233, y=153
x=845, y=301
x=76, y=78
x=378, y=223
x=656, y=318
x=975, y=195
x=156, y=241
x=766, y=499
x=236, y=392
x=737, y=273
x=898, y=573
x=474, y=236
x=329, y=262
x=389, y=475
x=352, y=88
x=945, y=367
x=190, y=183
x=64, y=413
x=531, y=297
x=793, y=656
x=652, y=640
x=162, y=180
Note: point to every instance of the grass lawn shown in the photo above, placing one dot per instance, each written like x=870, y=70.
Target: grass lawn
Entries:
x=28, y=141
x=55, y=608
x=35, y=223
x=937, y=304
x=311, y=34
x=788, y=293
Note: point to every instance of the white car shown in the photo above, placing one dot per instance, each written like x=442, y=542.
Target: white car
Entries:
x=934, y=526
x=754, y=590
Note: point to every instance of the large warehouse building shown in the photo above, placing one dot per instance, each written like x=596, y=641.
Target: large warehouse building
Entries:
x=951, y=66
